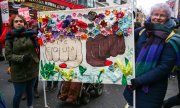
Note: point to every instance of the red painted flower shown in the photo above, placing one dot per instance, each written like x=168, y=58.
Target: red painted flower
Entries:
x=40, y=41
x=74, y=29
x=119, y=15
x=81, y=24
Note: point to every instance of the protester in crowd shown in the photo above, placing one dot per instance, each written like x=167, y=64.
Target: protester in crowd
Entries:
x=137, y=25
x=2, y=41
x=2, y=102
x=20, y=51
x=156, y=52
x=174, y=100
x=33, y=24
x=52, y=85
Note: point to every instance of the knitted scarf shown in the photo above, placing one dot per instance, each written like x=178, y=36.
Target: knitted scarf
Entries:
x=151, y=51
x=21, y=32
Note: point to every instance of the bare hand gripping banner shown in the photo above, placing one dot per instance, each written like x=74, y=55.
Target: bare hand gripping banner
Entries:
x=88, y=45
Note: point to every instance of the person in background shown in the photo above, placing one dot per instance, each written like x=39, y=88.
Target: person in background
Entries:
x=2, y=41
x=33, y=24
x=52, y=85
x=21, y=52
x=137, y=25
x=157, y=50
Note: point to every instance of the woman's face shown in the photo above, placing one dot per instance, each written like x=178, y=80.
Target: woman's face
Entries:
x=18, y=22
x=159, y=16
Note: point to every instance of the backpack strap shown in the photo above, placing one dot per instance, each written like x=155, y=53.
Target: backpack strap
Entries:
x=141, y=31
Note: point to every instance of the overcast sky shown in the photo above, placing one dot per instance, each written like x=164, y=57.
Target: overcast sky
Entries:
x=146, y=4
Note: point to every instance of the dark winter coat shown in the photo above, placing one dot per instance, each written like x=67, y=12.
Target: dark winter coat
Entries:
x=156, y=79
x=16, y=48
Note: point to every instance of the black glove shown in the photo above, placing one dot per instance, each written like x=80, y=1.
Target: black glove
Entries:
x=27, y=57
x=134, y=84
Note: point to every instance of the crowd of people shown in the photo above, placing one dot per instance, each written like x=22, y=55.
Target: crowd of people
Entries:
x=157, y=54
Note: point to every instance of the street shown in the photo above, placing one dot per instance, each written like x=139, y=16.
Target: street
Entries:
x=111, y=98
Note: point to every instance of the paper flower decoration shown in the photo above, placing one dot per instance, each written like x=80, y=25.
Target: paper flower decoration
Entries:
x=103, y=23
x=110, y=19
x=54, y=15
x=92, y=15
x=95, y=31
x=59, y=26
x=119, y=15
x=85, y=16
x=84, y=37
x=74, y=29
x=62, y=17
x=91, y=25
x=115, y=27
x=40, y=41
x=119, y=33
x=45, y=20
x=107, y=12
x=79, y=15
x=101, y=16
x=40, y=19
x=71, y=35
x=81, y=24
x=66, y=23
x=114, y=11
x=74, y=14
x=69, y=17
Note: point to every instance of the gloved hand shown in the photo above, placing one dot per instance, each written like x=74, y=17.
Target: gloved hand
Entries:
x=27, y=57
x=134, y=84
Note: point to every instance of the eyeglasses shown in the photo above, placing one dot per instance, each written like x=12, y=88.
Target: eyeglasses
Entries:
x=159, y=15
x=16, y=21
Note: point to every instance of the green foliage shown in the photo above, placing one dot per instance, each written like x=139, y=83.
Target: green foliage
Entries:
x=47, y=70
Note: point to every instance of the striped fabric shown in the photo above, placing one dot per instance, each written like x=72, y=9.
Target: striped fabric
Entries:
x=151, y=51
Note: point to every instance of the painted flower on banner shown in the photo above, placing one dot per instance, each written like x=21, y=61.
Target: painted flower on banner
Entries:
x=119, y=15
x=107, y=12
x=110, y=19
x=92, y=15
x=95, y=31
x=59, y=26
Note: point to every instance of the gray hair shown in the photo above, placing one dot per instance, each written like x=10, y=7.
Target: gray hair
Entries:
x=163, y=6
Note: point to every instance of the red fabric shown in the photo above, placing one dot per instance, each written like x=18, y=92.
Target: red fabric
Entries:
x=2, y=38
x=67, y=4
x=32, y=23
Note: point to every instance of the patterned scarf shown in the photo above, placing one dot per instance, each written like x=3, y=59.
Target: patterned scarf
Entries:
x=21, y=32
x=151, y=51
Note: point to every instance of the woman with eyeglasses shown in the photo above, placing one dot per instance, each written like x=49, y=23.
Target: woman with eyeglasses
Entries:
x=21, y=53
x=157, y=50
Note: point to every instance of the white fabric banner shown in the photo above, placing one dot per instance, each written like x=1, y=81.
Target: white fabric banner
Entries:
x=4, y=11
x=93, y=45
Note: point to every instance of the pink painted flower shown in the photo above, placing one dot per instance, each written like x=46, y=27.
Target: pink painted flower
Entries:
x=59, y=26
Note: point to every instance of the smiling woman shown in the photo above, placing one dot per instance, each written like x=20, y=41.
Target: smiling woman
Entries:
x=157, y=51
